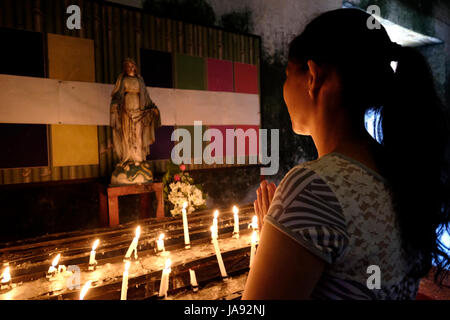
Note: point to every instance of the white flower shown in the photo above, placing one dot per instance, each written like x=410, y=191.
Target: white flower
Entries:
x=184, y=192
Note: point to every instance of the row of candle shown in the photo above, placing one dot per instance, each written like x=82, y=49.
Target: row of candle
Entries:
x=214, y=235
x=6, y=278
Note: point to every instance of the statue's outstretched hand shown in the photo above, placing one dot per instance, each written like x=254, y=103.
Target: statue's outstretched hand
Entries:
x=263, y=200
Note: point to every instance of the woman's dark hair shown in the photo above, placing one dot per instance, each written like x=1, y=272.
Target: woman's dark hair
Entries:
x=414, y=126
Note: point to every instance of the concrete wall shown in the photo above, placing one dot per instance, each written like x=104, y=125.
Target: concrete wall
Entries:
x=429, y=17
x=276, y=21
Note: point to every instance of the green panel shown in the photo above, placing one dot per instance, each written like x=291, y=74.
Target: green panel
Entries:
x=190, y=72
x=192, y=134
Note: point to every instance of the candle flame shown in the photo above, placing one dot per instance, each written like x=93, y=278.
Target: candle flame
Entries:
x=161, y=236
x=255, y=222
x=213, y=228
x=254, y=237
x=95, y=245
x=216, y=214
x=56, y=260
x=85, y=289
x=168, y=264
x=235, y=210
x=185, y=204
x=6, y=276
x=127, y=266
x=138, y=231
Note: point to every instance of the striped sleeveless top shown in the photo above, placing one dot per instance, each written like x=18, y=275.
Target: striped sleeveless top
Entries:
x=342, y=212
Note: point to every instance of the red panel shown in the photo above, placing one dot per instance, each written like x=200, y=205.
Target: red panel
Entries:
x=251, y=130
x=245, y=78
x=220, y=75
x=253, y=133
x=222, y=129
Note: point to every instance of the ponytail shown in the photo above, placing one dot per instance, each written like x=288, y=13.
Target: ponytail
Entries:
x=415, y=134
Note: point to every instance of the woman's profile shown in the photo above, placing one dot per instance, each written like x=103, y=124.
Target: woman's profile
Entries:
x=363, y=207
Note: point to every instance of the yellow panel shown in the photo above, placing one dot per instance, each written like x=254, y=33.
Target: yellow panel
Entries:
x=71, y=58
x=74, y=145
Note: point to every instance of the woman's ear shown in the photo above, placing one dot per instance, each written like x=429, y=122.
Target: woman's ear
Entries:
x=315, y=79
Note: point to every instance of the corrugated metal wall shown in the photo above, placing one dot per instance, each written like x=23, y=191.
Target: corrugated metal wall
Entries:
x=118, y=32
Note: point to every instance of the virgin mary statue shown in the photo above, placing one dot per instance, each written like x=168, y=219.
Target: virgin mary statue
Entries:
x=134, y=120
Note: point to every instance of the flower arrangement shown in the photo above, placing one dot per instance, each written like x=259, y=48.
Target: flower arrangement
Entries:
x=179, y=187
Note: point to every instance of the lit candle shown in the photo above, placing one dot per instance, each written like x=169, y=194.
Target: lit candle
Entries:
x=164, y=286
x=236, y=222
x=92, y=261
x=133, y=245
x=85, y=289
x=254, y=223
x=52, y=270
x=253, y=247
x=216, y=215
x=223, y=272
x=215, y=224
x=160, y=243
x=187, y=243
x=123, y=293
x=6, y=279
x=194, y=283
x=254, y=226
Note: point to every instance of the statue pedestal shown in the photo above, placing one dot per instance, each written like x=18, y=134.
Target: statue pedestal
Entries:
x=131, y=173
x=143, y=189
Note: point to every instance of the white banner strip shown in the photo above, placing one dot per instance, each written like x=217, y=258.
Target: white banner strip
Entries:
x=50, y=101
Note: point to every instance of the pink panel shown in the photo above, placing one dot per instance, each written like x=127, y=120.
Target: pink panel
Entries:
x=220, y=75
x=251, y=144
x=245, y=78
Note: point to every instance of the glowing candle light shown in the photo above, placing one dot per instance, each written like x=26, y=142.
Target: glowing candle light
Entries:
x=223, y=272
x=6, y=279
x=254, y=223
x=253, y=247
x=160, y=243
x=133, y=245
x=215, y=224
x=123, y=293
x=92, y=261
x=187, y=242
x=52, y=270
x=194, y=283
x=254, y=226
x=6, y=276
x=216, y=215
x=164, y=286
x=236, y=222
x=85, y=289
